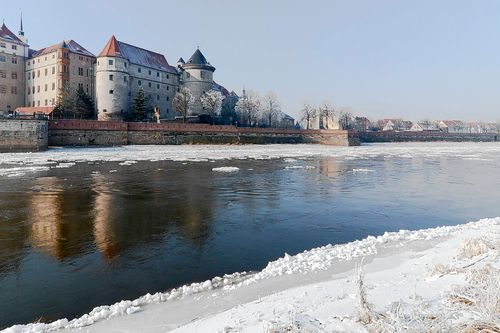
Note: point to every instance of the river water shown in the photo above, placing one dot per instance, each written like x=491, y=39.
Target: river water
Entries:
x=79, y=229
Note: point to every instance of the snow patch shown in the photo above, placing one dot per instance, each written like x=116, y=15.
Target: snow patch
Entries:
x=226, y=169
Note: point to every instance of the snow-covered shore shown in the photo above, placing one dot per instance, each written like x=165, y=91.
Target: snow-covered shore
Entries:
x=410, y=276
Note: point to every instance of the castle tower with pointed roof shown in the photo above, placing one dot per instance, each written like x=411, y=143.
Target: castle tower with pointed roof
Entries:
x=122, y=70
x=198, y=76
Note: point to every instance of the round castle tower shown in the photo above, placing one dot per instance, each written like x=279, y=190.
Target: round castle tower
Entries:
x=197, y=76
x=112, y=82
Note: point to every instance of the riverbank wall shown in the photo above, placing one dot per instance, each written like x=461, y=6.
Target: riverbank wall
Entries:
x=426, y=136
x=23, y=135
x=97, y=133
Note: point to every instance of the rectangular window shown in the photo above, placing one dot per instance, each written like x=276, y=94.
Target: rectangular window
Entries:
x=13, y=90
x=202, y=74
x=125, y=64
x=2, y=45
x=65, y=69
x=124, y=79
x=139, y=83
x=14, y=60
x=38, y=73
x=149, y=84
x=29, y=91
x=46, y=87
x=149, y=73
x=157, y=74
x=110, y=62
x=168, y=98
x=168, y=76
x=53, y=69
x=3, y=89
x=188, y=75
x=157, y=86
x=168, y=87
x=33, y=74
x=111, y=92
x=38, y=89
x=53, y=86
x=14, y=47
x=111, y=77
x=3, y=74
x=157, y=97
x=33, y=90
x=80, y=71
x=2, y=58
x=87, y=72
x=139, y=70
x=46, y=71
x=46, y=102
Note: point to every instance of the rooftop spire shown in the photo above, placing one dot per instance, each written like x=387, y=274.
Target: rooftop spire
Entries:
x=21, y=31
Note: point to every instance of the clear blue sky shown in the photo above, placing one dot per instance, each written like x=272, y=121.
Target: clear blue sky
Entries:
x=385, y=58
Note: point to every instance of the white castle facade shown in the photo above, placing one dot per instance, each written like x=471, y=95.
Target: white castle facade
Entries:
x=37, y=78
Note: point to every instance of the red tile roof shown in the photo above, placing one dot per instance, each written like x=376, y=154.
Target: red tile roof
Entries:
x=47, y=110
x=5, y=33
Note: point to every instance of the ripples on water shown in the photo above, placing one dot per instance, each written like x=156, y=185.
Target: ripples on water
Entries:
x=75, y=237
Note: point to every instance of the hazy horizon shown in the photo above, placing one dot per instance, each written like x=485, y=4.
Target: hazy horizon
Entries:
x=383, y=59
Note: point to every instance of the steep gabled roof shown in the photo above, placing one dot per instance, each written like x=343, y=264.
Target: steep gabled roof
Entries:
x=71, y=45
x=221, y=89
x=6, y=34
x=136, y=55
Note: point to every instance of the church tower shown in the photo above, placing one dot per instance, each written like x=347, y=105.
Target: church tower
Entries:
x=197, y=76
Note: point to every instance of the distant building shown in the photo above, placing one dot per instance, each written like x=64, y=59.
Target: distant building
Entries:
x=453, y=126
x=13, y=54
x=395, y=125
x=424, y=126
x=122, y=70
x=51, y=70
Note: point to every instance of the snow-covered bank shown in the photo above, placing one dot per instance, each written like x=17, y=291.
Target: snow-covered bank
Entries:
x=314, y=291
x=15, y=164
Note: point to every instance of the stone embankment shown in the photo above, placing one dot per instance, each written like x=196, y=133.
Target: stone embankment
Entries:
x=23, y=135
x=97, y=133
x=426, y=136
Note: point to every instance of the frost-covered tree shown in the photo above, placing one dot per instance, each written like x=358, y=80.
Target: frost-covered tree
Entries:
x=345, y=119
x=248, y=108
x=271, y=110
x=327, y=113
x=308, y=114
x=212, y=103
x=183, y=103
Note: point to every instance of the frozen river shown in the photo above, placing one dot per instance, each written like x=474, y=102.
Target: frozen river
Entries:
x=85, y=227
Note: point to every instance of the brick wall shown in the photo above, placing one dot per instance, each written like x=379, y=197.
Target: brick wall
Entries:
x=23, y=135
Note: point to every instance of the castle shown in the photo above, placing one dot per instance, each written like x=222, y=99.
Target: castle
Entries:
x=36, y=79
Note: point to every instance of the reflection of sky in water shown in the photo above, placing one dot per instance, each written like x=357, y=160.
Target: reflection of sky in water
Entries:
x=73, y=238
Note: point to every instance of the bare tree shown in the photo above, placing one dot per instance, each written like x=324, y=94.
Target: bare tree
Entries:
x=345, y=119
x=308, y=114
x=271, y=109
x=212, y=103
x=183, y=103
x=248, y=108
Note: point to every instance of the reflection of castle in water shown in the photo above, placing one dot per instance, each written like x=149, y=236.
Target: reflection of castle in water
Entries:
x=112, y=213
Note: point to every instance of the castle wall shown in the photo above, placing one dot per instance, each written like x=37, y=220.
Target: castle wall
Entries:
x=159, y=88
x=12, y=64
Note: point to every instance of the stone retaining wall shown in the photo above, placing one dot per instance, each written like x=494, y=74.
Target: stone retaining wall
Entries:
x=23, y=135
x=425, y=136
x=88, y=133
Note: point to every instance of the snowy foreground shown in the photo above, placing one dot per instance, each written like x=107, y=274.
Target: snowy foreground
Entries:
x=19, y=164
x=444, y=279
